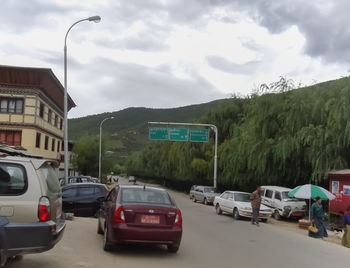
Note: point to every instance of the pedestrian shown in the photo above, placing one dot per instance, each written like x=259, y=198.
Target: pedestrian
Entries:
x=255, y=199
x=317, y=219
x=346, y=236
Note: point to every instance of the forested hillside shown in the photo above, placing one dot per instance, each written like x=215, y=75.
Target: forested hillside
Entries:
x=286, y=138
x=128, y=131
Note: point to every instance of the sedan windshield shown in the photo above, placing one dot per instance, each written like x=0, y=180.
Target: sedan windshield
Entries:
x=140, y=195
x=242, y=197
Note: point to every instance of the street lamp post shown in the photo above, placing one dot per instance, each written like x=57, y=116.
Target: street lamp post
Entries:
x=100, y=148
x=65, y=100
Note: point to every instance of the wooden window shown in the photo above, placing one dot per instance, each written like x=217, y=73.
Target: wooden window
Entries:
x=49, y=116
x=62, y=145
x=58, y=146
x=53, y=145
x=11, y=105
x=46, y=142
x=10, y=137
x=37, y=140
x=41, y=110
x=61, y=123
x=56, y=120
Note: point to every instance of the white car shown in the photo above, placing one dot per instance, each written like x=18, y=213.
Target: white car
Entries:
x=282, y=205
x=238, y=204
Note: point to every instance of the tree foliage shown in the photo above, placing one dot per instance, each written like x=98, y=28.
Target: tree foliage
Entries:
x=282, y=137
x=85, y=156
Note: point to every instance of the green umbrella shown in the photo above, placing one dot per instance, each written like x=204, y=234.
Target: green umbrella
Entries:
x=309, y=191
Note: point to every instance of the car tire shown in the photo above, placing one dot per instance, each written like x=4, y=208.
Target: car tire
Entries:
x=173, y=248
x=236, y=214
x=205, y=201
x=194, y=199
x=218, y=209
x=99, y=228
x=277, y=215
x=107, y=245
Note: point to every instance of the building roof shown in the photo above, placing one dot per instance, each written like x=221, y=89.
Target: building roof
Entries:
x=43, y=78
x=276, y=188
x=340, y=172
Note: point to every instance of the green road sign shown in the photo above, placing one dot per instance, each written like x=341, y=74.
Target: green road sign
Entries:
x=178, y=134
x=199, y=135
x=158, y=133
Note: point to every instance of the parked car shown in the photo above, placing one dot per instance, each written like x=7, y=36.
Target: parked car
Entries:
x=30, y=205
x=204, y=194
x=132, y=179
x=140, y=214
x=238, y=204
x=83, y=199
x=77, y=179
x=192, y=191
x=282, y=205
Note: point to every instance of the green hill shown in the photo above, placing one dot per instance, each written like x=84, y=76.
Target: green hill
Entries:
x=128, y=131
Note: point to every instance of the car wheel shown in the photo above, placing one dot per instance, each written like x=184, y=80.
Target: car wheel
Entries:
x=194, y=199
x=218, y=209
x=107, y=245
x=173, y=248
x=264, y=220
x=99, y=228
x=236, y=214
x=277, y=215
x=205, y=201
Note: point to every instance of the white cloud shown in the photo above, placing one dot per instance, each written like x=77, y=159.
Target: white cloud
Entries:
x=164, y=53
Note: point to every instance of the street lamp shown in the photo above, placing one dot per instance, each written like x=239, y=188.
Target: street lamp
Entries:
x=100, y=148
x=65, y=100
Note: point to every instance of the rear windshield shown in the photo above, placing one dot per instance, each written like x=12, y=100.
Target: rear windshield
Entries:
x=50, y=176
x=241, y=197
x=13, y=179
x=210, y=190
x=140, y=195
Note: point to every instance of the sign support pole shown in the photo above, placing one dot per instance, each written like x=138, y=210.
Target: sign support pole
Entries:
x=213, y=127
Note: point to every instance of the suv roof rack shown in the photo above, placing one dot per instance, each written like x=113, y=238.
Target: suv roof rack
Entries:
x=6, y=150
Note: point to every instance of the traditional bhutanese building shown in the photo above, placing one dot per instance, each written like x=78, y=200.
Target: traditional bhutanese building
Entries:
x=31, y=110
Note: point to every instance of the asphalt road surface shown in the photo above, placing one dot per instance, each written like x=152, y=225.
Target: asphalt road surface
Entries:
x=208, y=240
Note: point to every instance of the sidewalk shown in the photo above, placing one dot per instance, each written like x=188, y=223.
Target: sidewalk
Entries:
x=333, y=236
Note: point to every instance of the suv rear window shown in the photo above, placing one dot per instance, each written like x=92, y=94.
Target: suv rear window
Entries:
x=137, y=195
x=13, y=179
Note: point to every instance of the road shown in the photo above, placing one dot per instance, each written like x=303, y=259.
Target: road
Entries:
x=208, y=240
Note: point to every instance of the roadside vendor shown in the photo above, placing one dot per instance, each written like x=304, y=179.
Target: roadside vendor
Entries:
x=317, y=219
x=346, y=236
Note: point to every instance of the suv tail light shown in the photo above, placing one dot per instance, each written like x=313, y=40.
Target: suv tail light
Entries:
x=178, y=218
x=119, y=215
x=44, y=211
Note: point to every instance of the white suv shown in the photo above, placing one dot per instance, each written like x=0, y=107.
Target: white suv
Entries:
x=277, y=198
x=30, y=205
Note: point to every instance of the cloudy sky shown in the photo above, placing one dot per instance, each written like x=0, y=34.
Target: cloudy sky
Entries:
x=170, y=53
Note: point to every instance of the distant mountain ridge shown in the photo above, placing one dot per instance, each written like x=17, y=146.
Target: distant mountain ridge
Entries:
x=128, y=131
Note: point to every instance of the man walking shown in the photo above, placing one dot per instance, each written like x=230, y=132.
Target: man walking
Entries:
x=255, y=199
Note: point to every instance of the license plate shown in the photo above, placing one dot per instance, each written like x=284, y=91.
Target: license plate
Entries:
x=150, y=219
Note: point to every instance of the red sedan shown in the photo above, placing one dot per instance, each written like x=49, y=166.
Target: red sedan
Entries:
x=140, y=214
